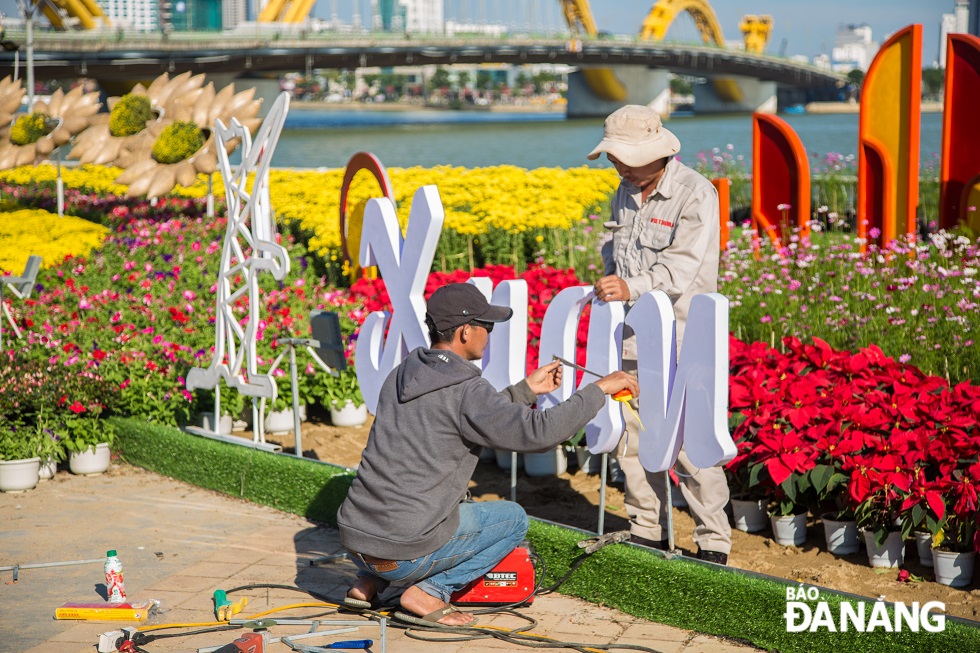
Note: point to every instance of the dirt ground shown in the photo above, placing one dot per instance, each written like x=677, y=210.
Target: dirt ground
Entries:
x=573, y=499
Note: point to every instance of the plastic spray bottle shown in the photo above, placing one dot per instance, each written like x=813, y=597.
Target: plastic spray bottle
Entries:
x=114, y=578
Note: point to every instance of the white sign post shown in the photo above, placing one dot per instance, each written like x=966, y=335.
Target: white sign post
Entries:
x=250, y=228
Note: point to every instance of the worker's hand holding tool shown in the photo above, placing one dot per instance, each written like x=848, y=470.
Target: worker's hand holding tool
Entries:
x=619, y=383
x=545, y=379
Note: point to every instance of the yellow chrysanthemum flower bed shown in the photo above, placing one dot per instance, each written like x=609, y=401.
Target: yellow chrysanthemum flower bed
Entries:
x=33, y=231
x=88, y=179
x=476, y=200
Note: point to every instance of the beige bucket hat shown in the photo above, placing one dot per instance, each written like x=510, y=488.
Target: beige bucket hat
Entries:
x=636, y=136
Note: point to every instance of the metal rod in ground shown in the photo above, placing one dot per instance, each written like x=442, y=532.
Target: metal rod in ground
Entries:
x=602, y=494
x=670, y=513
x=297, y=433
x=39, y=565
x=318, y=633
x=513, y=476
x=384, y=633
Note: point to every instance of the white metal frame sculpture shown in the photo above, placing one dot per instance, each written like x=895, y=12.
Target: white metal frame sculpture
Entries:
x=250, y=222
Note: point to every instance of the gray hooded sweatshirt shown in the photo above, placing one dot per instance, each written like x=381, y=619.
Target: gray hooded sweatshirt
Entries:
x=435, y=412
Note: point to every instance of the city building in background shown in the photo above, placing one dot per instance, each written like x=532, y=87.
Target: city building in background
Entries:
x=197, y=15
x=424, y=16
x=486, y=29
x=233, y=12
x=854, y=48
x=957, y=22
x=139, y=15
x=974, y=19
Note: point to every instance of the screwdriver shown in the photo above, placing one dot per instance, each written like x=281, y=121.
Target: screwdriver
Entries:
x=623, y=396
x=353, y=643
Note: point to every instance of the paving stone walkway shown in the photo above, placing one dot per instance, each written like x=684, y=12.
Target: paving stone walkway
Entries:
x=179, y=543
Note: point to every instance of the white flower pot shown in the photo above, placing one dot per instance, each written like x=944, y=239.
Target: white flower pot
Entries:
x=19, y=475
x=225, y=424
x=549, y=463
x=302, y=412
x=349, y=415
x=503, y=460
x=923, y=545
x=842, y=536
x=789, y=530
x=749, y=516
x=279, y=422
x=588, y=462
x=49, y=467
x=889, y=554
x=91, y=461
x=953, y=569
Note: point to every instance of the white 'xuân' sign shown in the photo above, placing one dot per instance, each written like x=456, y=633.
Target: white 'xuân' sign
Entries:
x=683, y=402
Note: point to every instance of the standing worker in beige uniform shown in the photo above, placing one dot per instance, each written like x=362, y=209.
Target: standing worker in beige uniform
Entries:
x=664, y=237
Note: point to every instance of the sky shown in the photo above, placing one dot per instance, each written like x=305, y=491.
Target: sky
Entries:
x=808, y=26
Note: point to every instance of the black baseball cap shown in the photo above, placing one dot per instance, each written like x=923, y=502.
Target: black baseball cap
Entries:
x=457, y=304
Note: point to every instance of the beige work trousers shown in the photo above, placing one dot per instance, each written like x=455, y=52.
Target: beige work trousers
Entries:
x=706, y=492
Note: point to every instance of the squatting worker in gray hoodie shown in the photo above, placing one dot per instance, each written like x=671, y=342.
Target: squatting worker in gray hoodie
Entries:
x=405, y=521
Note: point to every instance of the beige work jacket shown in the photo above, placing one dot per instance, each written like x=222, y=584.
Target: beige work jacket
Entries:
x=668, y=243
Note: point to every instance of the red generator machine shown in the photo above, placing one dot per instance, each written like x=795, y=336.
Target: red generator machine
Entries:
x=510, y=582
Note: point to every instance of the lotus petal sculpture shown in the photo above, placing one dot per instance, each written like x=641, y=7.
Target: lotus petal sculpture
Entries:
x=11, y=94
x=124, y=128
x=32, y=137
x=180, y=144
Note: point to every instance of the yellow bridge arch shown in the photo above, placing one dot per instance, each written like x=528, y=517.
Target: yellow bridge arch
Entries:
x=578, y=16
x=63, y=13
x=607, y=86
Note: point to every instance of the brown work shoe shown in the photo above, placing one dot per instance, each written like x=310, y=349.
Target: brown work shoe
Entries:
x=716, y=557
x=651, y=544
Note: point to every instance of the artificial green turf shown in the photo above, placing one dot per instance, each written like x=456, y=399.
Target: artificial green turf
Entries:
x=694, y=596
x=302, y=487
x=675, y=592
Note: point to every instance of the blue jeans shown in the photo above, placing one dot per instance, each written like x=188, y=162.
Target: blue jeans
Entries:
x=487, y=532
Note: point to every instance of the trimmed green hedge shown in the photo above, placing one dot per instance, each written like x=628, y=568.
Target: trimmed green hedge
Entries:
x=677, y=592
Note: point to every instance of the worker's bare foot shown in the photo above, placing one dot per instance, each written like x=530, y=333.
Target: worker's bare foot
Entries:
x=422, y=604
x=363, y=589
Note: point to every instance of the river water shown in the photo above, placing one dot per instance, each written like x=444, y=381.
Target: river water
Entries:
x=327, y=138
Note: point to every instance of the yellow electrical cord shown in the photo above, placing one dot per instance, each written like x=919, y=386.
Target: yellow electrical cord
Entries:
x=146, y=629
x=254, y=616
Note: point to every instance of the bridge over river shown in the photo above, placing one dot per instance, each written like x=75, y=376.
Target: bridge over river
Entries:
x=109, y=55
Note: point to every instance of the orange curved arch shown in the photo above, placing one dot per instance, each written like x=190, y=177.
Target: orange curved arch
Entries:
x=878, y=198
x=724, y=187
x=970, y=204
x=780, y=179
x=888, y=139
x=351, y=232
x=960, y=159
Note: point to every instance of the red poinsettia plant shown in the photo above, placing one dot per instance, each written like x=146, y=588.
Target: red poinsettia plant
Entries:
x=855, y=433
